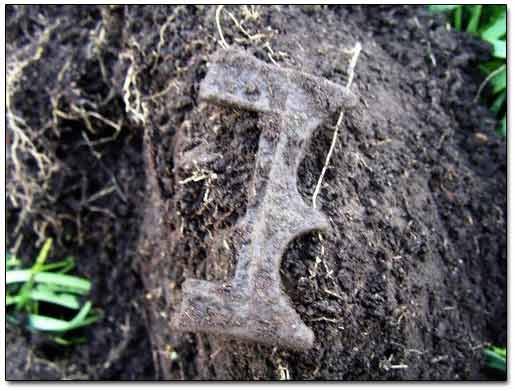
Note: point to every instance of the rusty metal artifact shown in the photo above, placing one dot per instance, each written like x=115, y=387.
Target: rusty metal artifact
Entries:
x=291, y=105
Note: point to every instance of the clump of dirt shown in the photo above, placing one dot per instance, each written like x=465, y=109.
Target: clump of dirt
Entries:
x=392, y=291
x=142, y=183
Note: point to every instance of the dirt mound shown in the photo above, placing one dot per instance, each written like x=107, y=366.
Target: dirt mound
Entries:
x=408, y=283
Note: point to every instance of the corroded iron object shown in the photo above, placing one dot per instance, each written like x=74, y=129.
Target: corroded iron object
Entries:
x=291, y=105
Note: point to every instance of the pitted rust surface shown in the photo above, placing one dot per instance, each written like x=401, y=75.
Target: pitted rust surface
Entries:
x=291, y=105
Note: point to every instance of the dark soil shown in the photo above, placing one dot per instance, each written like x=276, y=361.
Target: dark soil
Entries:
x=408, y=283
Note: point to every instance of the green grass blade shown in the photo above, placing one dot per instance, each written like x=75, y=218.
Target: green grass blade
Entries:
x=502, y=129
x=73, y=282
x=458, y=17
x=62, y=341
x=82, y=319
x=443, y=7
x=49, y=324
x=66, y=300
x=68, y=342
x=499, y=351
x=92, y=318
x=43, y=253
x=474, y=19
x=499, y=48
x=496, y=30
x=80, y=285
x=495, y=360
x=499, y=100
x=65, y=289
x=62, y=266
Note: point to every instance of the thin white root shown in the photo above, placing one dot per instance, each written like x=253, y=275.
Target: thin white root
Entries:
x=270, y=52
x=244, y=31
x=250, y=13
x=25, y=185
x=353, y=62
x=488, y=78
x=328, y=157
x=132, y=98
x=284, y=373
x=222, y=39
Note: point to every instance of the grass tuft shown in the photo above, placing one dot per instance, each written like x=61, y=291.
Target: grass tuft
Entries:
x=47, y=283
